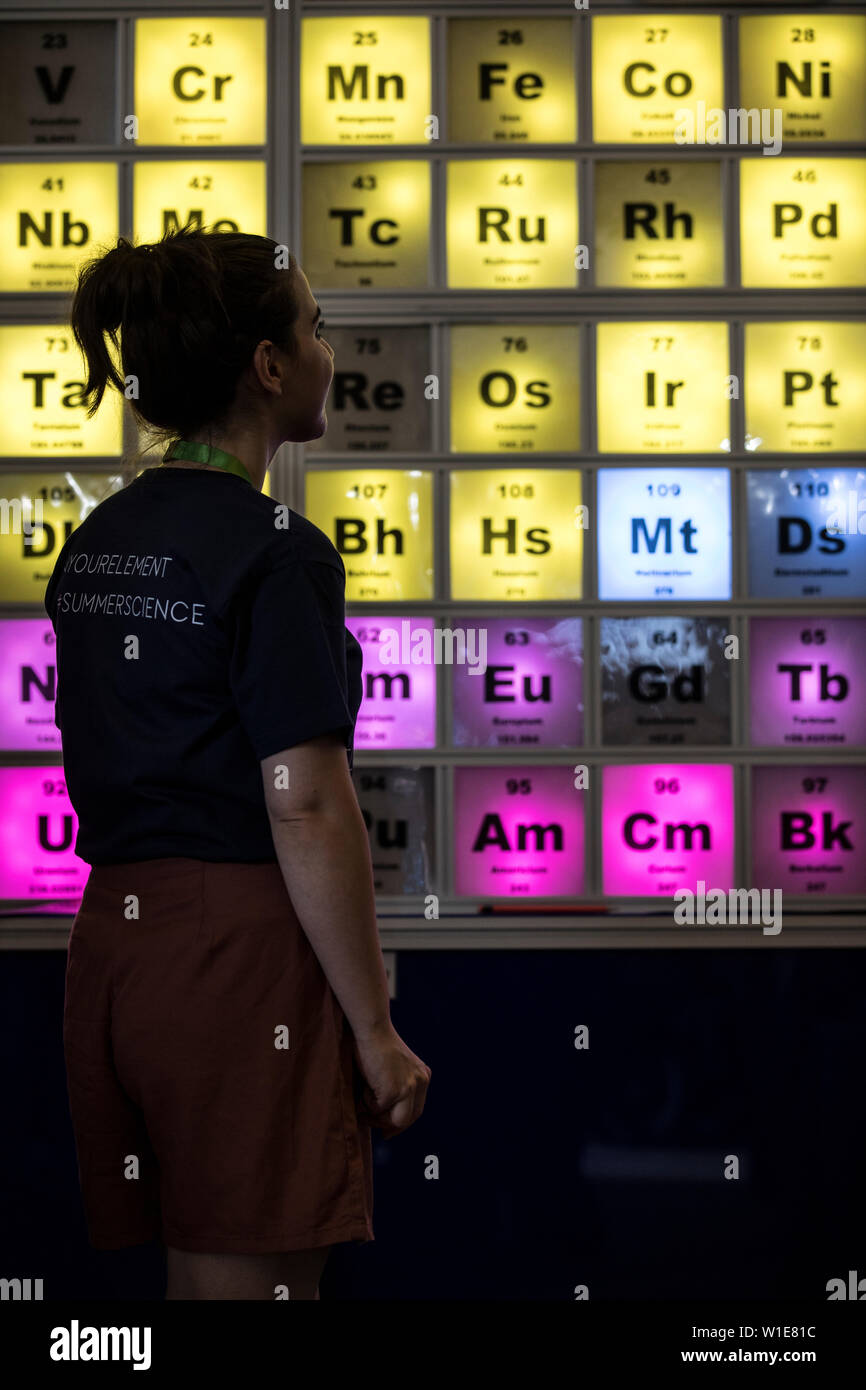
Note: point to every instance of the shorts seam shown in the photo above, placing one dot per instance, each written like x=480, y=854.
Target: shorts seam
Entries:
x=355, y=1178
x=299, y=1240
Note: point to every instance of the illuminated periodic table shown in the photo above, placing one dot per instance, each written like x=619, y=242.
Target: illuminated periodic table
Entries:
x=600, y=406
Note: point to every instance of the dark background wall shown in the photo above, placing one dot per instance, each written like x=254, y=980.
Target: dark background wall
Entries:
x=558, y=1167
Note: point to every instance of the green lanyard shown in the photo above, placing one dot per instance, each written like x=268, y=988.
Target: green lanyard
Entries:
x=205, y=453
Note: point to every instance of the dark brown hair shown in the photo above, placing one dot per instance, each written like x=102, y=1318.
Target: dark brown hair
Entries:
x=190, y=309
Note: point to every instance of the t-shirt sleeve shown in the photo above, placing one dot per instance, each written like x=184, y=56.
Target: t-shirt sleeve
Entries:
x=288, y=666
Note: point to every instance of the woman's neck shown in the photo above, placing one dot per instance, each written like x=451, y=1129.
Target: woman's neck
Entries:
x=250, y=447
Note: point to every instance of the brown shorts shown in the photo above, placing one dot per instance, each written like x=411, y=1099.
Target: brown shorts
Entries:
x=211, y=1080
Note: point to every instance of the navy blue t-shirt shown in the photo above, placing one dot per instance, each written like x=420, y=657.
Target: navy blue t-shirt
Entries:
x=195, y=636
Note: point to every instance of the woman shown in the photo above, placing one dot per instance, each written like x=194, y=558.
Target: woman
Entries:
x=226, y=1027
